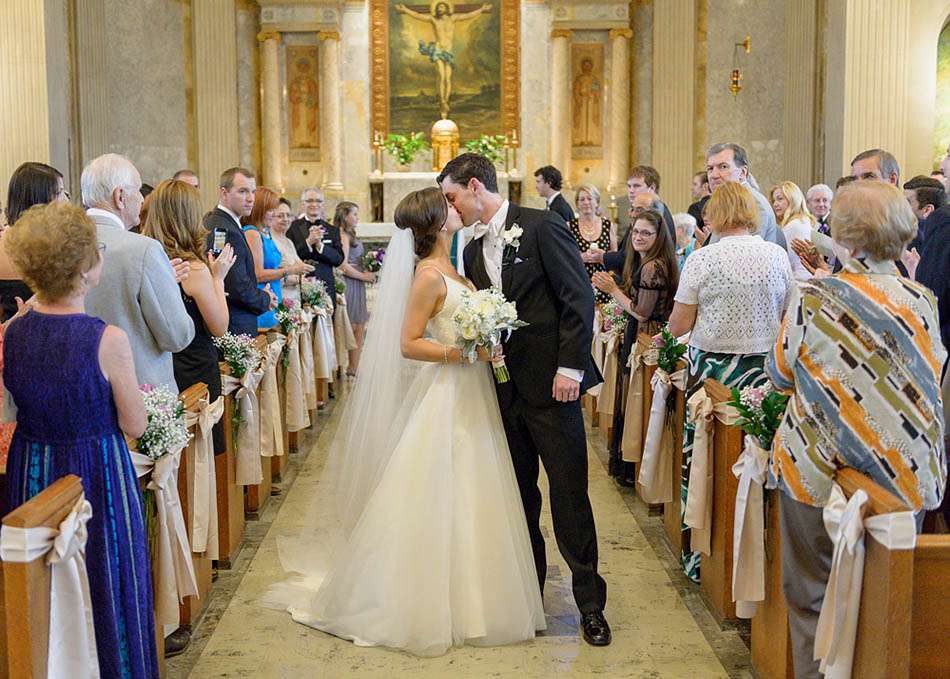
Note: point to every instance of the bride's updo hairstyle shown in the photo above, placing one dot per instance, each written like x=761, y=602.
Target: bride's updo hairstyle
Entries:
x=424, y=213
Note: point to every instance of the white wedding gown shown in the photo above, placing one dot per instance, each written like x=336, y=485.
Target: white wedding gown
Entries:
x=440, y=556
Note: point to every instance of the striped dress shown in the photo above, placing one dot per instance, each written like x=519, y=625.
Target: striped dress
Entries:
x=860, y=354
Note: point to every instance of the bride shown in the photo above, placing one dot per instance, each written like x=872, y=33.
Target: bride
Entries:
x=434, y=548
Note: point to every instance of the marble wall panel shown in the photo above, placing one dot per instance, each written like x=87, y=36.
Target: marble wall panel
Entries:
x=356, y=149
x=248, y=84
x=641, y=104
x=145, y=61
x=535, y=97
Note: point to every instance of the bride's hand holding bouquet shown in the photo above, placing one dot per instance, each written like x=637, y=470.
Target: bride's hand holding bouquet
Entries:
x=481, y=319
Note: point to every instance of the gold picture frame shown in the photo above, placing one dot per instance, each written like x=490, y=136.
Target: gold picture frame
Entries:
x=510, y=80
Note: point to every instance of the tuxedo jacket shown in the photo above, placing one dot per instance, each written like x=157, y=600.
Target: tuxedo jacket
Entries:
x=322, y=262
x=562, y=207
x=547, y=281
x=246, y=301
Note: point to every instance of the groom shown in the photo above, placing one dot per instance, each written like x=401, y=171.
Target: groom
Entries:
x=531, y=256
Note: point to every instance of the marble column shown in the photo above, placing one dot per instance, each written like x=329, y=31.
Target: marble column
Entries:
x=674, y=22
x=214, y=26
x=561, y=101
x=270, y=109
x=801, y=76
x=332, y=123
x=619, y=107
x=92, y=79
x=24, y=110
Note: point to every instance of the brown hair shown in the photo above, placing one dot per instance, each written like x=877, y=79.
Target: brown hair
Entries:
x=174, y=220
x=732, y=206
x=662, y=253
x=424, y=212
x=265, y=200
x=227, y=177
x=648, y=174
x=343, y=209
x=52, y=246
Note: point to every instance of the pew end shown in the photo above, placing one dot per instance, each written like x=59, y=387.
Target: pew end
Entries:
x=672, y=511
x=230, y=495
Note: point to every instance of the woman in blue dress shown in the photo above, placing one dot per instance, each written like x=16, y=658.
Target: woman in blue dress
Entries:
x=72, y=380
x=265, y=251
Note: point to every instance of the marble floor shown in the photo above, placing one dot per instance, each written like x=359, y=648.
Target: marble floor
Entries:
x=661, y=628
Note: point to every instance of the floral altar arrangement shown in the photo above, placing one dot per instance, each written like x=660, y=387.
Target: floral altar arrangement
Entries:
x=372, y=259
x=405, y=147
x=480, y=321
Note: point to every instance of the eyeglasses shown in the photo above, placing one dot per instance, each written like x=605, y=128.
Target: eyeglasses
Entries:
x=311, y=200
x=100, y=246
x=642, y=233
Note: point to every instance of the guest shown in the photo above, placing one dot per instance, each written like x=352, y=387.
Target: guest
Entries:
x=731, y=297
x=288, y=252
x=245, y=300
x=925, y=196
x=795, y=220
x=31, y=184
x=548, y=182
x=934, y=265
x=818, y=200
x=74, y=385
x=187, y=176
x=650, y=277
x=728, y=162
x=174, y=220
x=939, y=175
x=842, y=412
x=317, y=241
x=644, y=179
x=591, y=230
x=685, y=237
x=876, y=164
x=346, y=218
x=700, y=191
x=139, y=289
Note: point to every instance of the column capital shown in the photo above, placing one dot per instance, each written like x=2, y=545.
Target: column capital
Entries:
x=264, y=36
x=561, y=33
x=620, y=33
x=328, y=35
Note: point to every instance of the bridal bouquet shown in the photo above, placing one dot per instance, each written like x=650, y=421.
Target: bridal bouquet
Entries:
x=289, y=315
x=239, y=353
x=481, y=319
x=165, y=431
x=372, y=259
x=761, y=410
x=614, y=319
x=314, y=294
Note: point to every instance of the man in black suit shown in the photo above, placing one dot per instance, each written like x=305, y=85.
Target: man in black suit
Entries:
x=548, y=181
x=925, y=196
x=317, y=241
x=245, y=300
x=935, y=263
x=537, y=266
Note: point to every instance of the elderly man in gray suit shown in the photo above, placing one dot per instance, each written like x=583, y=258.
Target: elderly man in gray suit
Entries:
x=138, y=290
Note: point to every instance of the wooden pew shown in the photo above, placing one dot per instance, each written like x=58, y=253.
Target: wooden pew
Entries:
x=672, y=519
x=256, y=496
x=192, y=607
x=716, y=568
x=26, y=586
x=648, y=372
x=230, y=495
x=903, y=626
x=771, y=647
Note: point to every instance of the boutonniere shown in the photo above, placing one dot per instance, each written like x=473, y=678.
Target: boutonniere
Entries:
x=511, y=236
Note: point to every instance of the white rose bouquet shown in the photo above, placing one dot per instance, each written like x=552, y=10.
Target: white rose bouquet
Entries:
x=480, y=321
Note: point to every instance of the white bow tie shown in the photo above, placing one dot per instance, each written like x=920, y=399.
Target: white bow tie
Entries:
x=481, y=229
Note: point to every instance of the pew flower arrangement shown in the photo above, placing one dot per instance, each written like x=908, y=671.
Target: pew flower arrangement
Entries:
x=614, y=320
x=314, y=294
x=372, y=259
x=289, y=315
x=339, y=285
x=480, y=320
x=669, y=350
x=760, y=410
x=239, y=353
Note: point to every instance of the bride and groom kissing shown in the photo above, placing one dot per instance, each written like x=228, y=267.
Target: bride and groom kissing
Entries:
x=438, y=466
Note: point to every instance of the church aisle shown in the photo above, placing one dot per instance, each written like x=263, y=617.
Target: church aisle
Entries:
x=654, y=633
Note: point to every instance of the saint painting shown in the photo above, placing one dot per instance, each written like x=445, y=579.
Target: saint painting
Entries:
x=303, y=97
x=587, y=95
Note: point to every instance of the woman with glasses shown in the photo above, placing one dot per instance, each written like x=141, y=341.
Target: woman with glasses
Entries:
x=31, y=184
x=289, y=259
x=74, y=413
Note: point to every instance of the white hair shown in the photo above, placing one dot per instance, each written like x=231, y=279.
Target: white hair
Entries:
x=685, y=221
x=104, y=175
x=315, y=189
x=819, y=188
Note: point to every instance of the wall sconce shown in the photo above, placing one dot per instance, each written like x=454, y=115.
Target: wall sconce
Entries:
x=735, y=85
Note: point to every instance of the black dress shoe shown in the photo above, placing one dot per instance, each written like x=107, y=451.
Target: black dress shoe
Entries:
x=177, y=642
x=595, y=628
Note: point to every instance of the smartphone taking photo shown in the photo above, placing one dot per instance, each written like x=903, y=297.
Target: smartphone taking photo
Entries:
x=220, y=240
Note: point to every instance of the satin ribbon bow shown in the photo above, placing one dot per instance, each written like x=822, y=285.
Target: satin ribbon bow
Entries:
x=272, y=434
x=656, y=469
x=175, y=577
x=748, y=531
x=631, y=445
x=204, y=507
x=297, y=416
x=697, y=514
x=247, y=456
x=607, y=388
x=846, y=526
x=72, y=636
x=306, y=361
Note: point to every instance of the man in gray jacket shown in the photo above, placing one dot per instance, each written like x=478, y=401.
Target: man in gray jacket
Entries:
x=138, y=290
x=729, y=163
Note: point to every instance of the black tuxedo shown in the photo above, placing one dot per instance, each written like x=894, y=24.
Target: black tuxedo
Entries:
x=245, y=300
x=546, y=279
x=562, y=207
x=323, y=262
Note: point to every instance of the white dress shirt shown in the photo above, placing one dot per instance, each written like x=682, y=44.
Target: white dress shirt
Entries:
x=550, y=199
x=106, y=216
x=493, y=248
x=237, y=220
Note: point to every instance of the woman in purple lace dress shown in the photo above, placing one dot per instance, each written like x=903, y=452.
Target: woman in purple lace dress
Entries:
x=73, y=383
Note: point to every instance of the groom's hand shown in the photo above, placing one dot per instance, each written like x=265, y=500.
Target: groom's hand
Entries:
x=565, y=389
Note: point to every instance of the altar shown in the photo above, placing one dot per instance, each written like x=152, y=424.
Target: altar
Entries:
x=388, y=188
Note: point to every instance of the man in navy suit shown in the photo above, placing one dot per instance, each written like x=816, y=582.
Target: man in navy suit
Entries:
x=245, y=300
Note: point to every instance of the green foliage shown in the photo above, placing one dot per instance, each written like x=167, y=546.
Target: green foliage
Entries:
x=405, y=147
x=670, y=351
x=488, y=145
x=761, y=410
